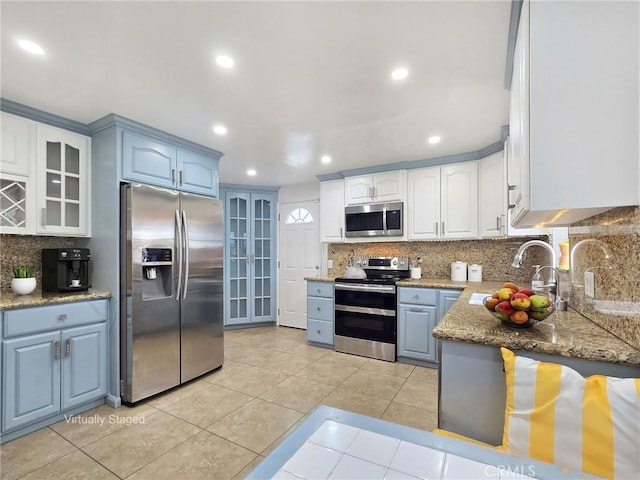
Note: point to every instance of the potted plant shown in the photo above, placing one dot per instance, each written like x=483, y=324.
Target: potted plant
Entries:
x=24, y=280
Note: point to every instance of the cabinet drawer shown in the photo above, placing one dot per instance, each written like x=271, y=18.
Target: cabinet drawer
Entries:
x=420, y=296
x=320, y=308
x=320, y=289
x=320, y=332
x=30, y=320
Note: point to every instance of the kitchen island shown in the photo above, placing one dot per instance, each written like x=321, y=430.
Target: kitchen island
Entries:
x=471, y=377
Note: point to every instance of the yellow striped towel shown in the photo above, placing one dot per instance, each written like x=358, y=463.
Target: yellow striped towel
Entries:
x=556, y=415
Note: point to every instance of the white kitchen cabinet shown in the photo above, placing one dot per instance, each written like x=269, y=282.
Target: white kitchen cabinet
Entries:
x=493, y=215
x=332, y=211
x=574, y=113
x=63, y=182
x=44, y=184
x=18, y=136
x=459, y=200
x=17, y=175
x=443, y=202
x=379, y=187
x=492, y=196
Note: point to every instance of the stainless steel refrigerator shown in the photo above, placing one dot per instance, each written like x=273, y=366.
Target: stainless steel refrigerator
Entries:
x=171, y=298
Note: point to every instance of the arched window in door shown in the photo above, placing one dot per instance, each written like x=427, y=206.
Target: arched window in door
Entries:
x=299, y=215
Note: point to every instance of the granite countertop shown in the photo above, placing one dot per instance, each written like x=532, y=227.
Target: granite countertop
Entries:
x=37, y=298
x=326, y=279
x=568, y=334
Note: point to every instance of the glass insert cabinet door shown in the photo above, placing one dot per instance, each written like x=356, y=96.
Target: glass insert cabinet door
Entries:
x=62, y=182
x=250, y=274
x=13, y=205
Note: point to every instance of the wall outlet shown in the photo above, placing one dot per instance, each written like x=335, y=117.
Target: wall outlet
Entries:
x=329, y=263
x=590, y=284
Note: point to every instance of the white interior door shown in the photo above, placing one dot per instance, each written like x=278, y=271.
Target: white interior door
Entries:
x=299, y=257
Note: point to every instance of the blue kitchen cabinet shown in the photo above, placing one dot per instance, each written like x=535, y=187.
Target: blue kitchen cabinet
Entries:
x=446, y=298
x=148, y=161
x=31, y=379
x=197, y=173
x=250, y=257
x=154, y=162
x=417, y=312
x=84, y=364
x=320, y=313
x=54, y=359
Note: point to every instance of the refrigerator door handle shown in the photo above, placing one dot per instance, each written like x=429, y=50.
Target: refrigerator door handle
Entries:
x=178, y=257
x=185, y=224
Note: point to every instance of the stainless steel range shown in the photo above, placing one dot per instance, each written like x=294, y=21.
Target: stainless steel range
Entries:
x=365, y=308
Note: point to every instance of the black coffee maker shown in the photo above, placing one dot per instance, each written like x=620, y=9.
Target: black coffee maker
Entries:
x=65, y=269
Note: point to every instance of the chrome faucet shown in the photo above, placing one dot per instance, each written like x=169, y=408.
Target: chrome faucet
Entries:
x=517, y=259
x=554, y=277
x=553, y=285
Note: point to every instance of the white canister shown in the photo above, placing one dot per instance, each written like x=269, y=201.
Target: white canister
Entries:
x=475, y=273
x=459, y=271
x=416, y=272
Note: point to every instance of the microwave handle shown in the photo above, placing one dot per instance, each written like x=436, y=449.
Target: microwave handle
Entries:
x=384, y=218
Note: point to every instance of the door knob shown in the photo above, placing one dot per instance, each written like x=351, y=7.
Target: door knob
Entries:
x=317, y=267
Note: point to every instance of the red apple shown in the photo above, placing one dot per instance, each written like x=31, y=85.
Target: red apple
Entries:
x=520, y=301
x=505, y=308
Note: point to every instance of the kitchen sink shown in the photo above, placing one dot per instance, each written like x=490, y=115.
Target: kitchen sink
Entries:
x=476, y=298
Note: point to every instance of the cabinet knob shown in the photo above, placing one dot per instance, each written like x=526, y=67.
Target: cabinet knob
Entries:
x=62, y=316
x=416, y=297
x=318, y=308
x=319, y=291
x=318, y=332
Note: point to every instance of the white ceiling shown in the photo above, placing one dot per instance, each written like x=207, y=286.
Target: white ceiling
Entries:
x=310, y=78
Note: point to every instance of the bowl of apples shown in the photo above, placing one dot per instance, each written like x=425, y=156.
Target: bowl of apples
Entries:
x=518, y=307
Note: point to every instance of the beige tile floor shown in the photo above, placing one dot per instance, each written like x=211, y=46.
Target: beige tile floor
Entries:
x=224, y=423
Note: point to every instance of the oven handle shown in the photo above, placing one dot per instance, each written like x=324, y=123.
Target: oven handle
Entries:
x=363, y=287
x=367, y=310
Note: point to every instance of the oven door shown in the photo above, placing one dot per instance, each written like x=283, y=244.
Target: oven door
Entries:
x=366, y=311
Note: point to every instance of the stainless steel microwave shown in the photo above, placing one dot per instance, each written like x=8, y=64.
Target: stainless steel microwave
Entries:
x=374, y=220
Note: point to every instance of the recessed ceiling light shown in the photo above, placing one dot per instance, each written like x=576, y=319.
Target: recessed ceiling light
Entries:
x=325, y=159
x=251, y=172
x=434, y=139
x=220, y=129
x=400, y=73
x=31, y=47
x=224, y=61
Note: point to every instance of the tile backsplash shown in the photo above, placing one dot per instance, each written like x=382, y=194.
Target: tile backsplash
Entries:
x=608, y=245
x=25, y=250
x=435, y=257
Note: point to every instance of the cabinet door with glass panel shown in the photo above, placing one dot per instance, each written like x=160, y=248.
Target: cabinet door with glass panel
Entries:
x=63, y=180
x=250, y=257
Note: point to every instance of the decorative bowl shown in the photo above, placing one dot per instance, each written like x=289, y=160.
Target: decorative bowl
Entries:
x=23, y=286
x=541, y=314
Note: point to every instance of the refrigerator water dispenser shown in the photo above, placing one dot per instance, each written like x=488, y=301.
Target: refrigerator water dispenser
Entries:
x=157, y=273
